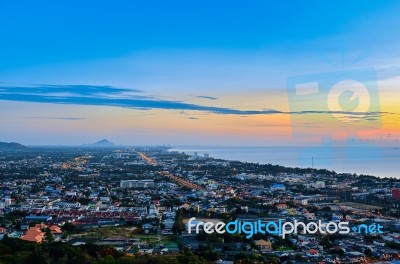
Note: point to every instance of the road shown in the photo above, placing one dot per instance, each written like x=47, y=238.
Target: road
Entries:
x=172, y=177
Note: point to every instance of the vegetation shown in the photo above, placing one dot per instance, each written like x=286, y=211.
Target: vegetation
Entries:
x=19, y=251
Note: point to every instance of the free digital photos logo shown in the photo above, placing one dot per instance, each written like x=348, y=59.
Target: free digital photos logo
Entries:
x=281, y=227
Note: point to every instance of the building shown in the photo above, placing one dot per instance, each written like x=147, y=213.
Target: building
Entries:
x=70, y=193
x=396, y=194
x=263, y=245
x=277, y=187
x=37, y=233
x=168, y=223
x=38, y=218
x=316, y=185
x=137, y=184
x=34, y=234
x=7, y=201
x=281, y=206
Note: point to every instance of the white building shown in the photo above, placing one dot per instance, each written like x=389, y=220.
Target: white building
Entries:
x=137, y=184
x=316, y=185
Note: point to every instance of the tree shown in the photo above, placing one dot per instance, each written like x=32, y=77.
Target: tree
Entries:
x=48, y=236
x=36, y=257
x=178, y=226
x=55, y=251
x=272, y=260
x=189, y=257
x=69, y=227
x=369, y=253
x=326, y=243
x=299, y=258
x=107, y=260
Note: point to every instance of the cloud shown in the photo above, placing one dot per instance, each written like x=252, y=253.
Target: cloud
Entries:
x=56, y=118
x=128, y=98
x=78, y=90
x=312, y=125
x=141, y=108
x=207, y=97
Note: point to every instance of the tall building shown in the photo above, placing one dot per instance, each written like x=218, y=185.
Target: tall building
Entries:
x=7, y=201
x=396, y=194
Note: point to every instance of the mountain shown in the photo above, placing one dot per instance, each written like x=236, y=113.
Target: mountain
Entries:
x=11, y=146
x=101, y=143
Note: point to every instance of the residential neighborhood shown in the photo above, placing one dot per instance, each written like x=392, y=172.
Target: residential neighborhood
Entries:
x=138, y=200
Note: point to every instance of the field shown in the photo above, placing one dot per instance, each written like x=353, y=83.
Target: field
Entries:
x=127, y=232
x=361, y=206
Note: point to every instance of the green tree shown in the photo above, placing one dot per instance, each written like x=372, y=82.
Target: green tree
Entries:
x=178, y=226
x=48, y=236
x=36, y=257
x=69, y=227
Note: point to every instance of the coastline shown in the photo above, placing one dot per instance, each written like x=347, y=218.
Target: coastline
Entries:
x=380, y=162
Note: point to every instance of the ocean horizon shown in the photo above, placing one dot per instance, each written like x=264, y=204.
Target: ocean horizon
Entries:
x=368, y=160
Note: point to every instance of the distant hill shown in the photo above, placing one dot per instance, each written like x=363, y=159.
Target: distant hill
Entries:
x=11, y=146
x=101, y=143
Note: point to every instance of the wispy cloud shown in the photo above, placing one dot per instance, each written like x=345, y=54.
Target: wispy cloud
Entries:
x=207, y=97
x=56, y=118
x=77, y=90
x=128, y=98
x=313, y=125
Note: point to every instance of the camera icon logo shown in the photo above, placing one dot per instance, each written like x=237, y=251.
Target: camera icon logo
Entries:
x=348, y=96
x=340, y=100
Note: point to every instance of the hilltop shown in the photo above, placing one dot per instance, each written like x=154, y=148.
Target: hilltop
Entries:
x=11, y=146
x=101, y=143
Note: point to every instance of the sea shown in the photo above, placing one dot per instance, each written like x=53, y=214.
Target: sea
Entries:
x=371, y=160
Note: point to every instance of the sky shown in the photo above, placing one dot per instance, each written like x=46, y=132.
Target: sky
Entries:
x=199, y=72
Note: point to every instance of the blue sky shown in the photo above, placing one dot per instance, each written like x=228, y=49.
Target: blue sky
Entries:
x=43, y=32
x=198, y=56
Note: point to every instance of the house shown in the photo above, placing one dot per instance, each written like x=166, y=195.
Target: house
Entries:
x=310, y=216
x=220, y=209
x=70, y=193
x=281, y=206
x=263, y=245
x=355, y=257
x=301, y=201
x=34, y=234
x=331, y=259
x=337, y=217
x=185, y=206
x=292, y=211
x=148, y=227
x=55, y=230
x=230, y=190
x=379, y=242
x=312, y=253
x=277, y=187
x=168, y=223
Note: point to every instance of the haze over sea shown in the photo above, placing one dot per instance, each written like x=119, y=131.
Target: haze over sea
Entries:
x=376, y=161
